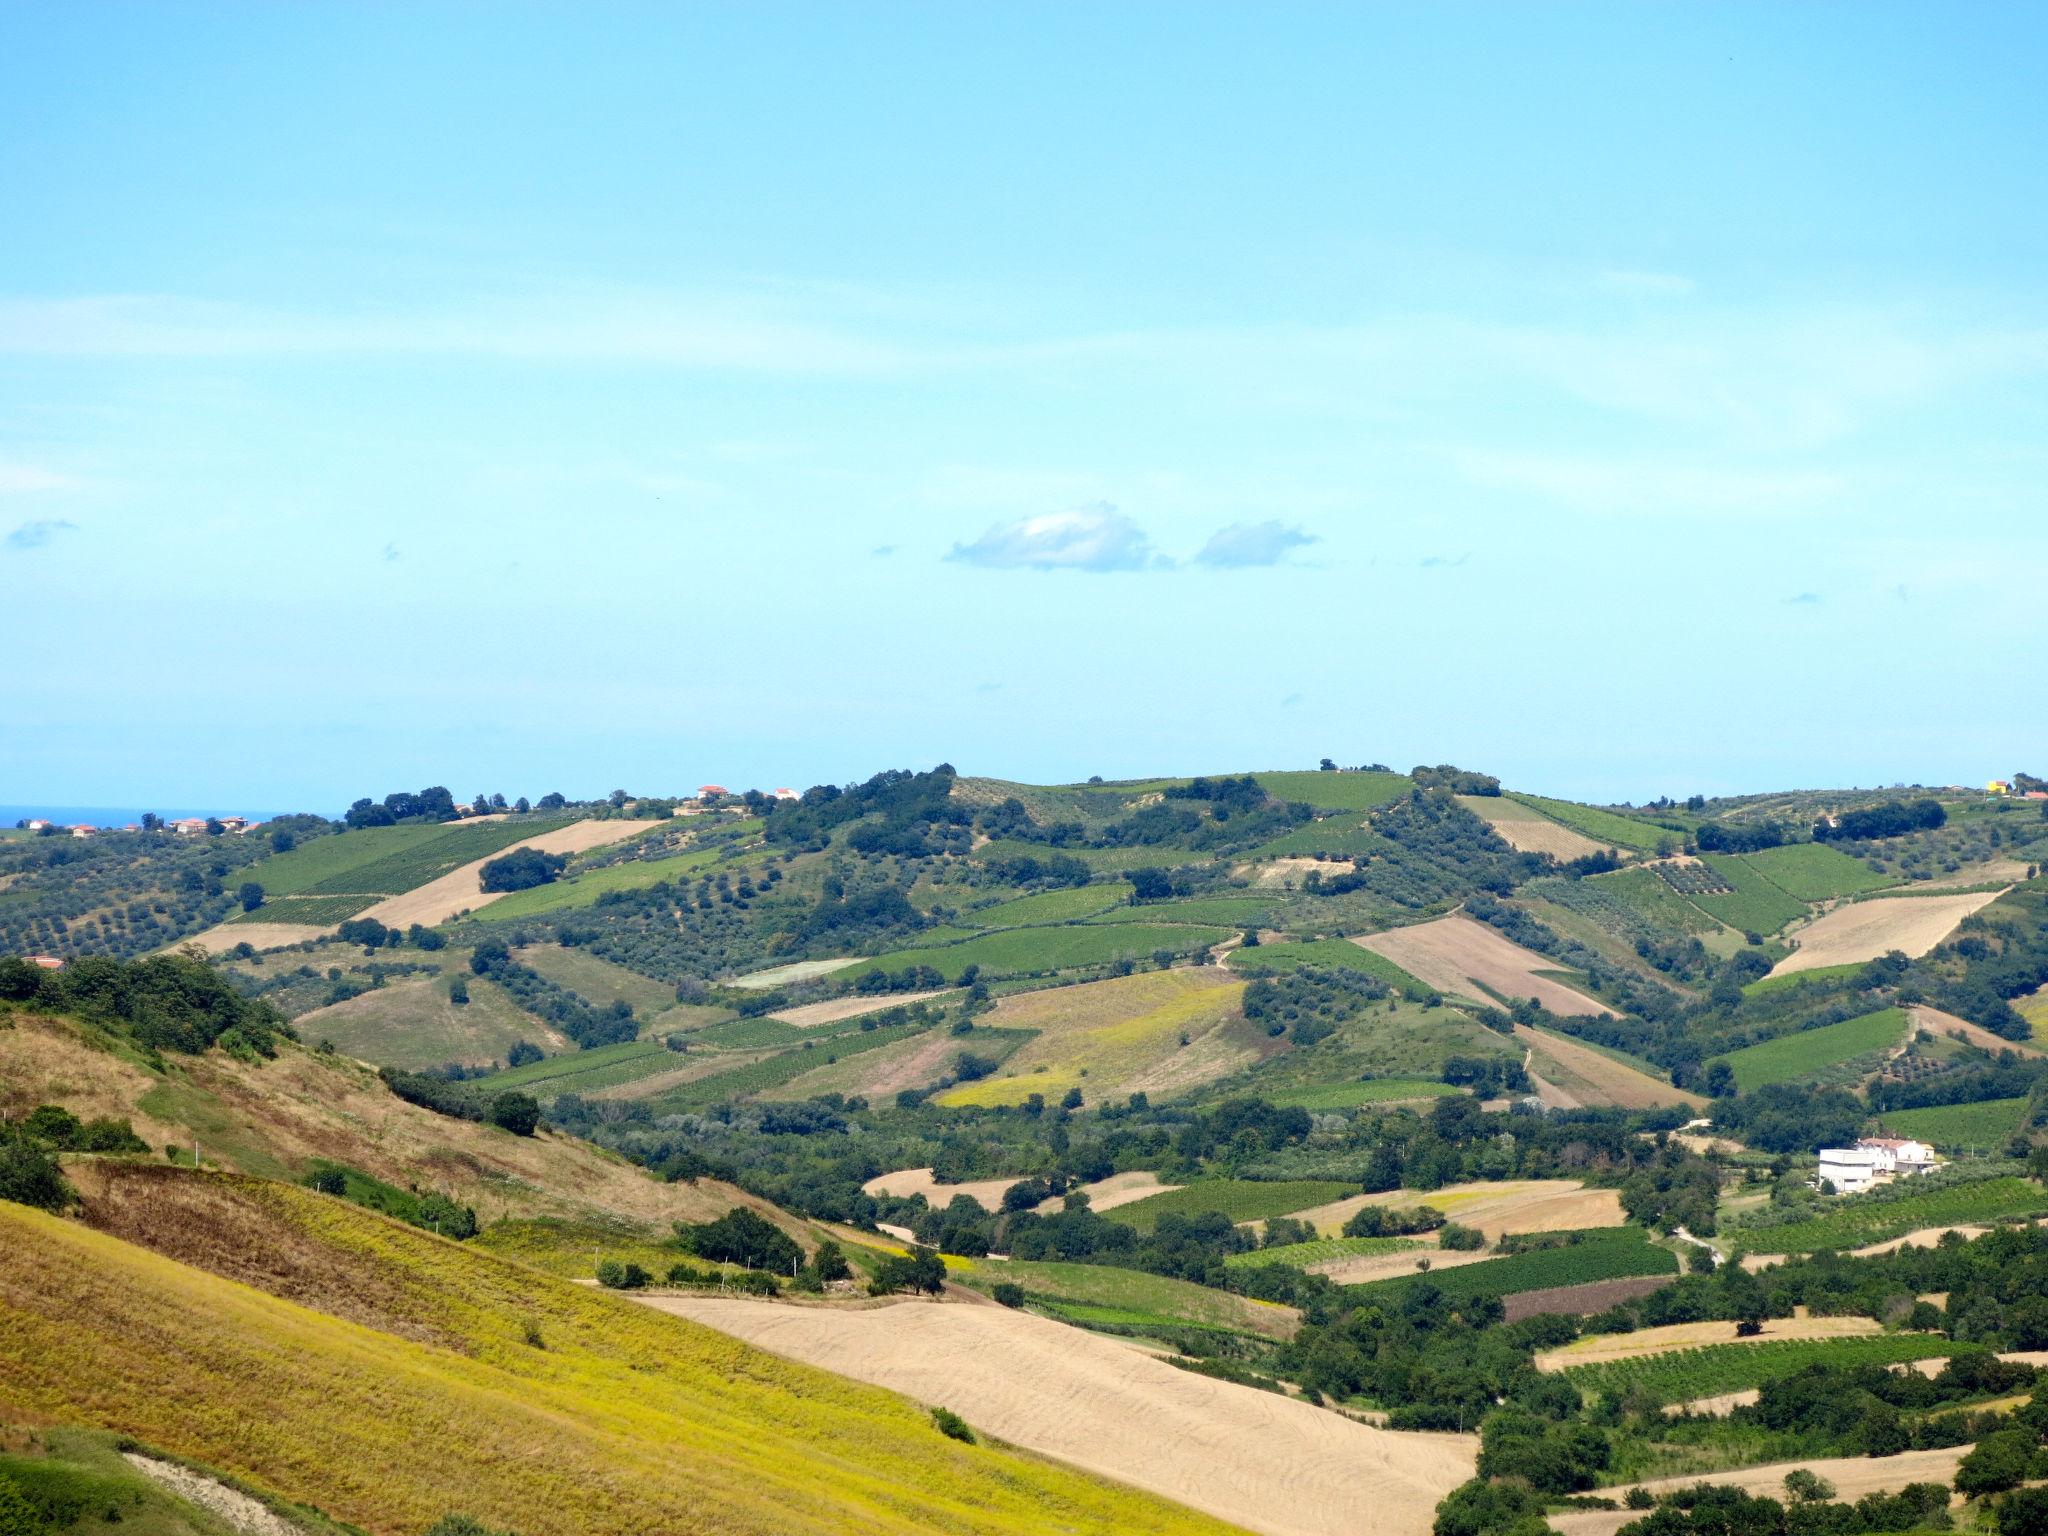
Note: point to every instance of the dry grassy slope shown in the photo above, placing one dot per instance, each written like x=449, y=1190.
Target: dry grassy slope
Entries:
x=272, y=1119
x=411, y=1387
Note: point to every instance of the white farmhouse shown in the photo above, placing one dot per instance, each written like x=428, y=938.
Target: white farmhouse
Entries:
x=1872, y=1161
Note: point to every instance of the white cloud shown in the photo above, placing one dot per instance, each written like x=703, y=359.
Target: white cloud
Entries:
x=1248, y=544
x=38, y=532
x=1091, y=538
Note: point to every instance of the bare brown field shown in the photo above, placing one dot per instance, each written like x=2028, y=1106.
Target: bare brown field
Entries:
x=1456, y=954
x=1951, y=1027
x=1864, y=930
x=1271, y=1463
x=906, y=1182
x=1285, y=871
x=1519, y=1205
x=1613, y=1082
x=916, y=1062
x=1580, y=1300
x=1933, y=1368
x=1118, y=1189
x=1602, y=1348
x=220, y=939
x=1527, y=831
x=1853, y=1477
x=833, y=1009
x=1392, y=1266
x=1718, y=1407
x=2000, y=871
x=272, y=1119
x=458, y=891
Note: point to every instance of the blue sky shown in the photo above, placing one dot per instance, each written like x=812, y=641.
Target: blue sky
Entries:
x=1621, y=399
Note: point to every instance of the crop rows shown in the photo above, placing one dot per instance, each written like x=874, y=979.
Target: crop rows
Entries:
x=1863, y=1220
x=1805, y=1053
x=1685, y=1375
x=773, y=1072
x=413, y=866
x=1321, y=1251
x=1613, y=1253
x=318, y=911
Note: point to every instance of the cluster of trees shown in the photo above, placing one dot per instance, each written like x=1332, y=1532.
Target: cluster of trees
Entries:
x=1739, y=837
x=574, y=1015
x=522, y=869
x=434, y=803
x=164, y=1003
x=1458, y=781
x=1894, y=818
x=1309, y=1003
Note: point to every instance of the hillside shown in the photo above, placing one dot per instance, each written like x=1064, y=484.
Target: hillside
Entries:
x=328, y=1347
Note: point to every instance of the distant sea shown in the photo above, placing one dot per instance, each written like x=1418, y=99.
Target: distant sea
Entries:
x=120, y=815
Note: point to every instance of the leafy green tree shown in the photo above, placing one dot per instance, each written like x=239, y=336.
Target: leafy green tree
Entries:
x=515, y=1112
x=30, y=1176
x=1999, y=1461
x=250, y=895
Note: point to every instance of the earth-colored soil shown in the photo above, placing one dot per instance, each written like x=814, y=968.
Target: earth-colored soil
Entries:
x=219, y=940
x=1718, y=1407
x=833, y=1009
x=1852, y=1476
x=241, y=1512
x=1529, y=831
x=1520, y=1205
x=1601, y=1348
x=1118, y=1189
x=1925, y=1237
x=1863, y=930
x=1271, y=1463
x=1288, y=871
x=1951, y=1027
x=796, y=970
x=1392, y=1266
x=1613, y=1082
x=458, y=891
x=1933, y=1368
x=906, y=1182
x=1456, y=954
x=1580, y=1300
x=2001, y=871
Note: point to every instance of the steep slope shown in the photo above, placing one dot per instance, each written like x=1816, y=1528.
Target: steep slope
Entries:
x=272, y=1118
x=410, y=1376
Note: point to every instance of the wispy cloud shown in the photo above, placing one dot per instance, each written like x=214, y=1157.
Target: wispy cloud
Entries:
x=38, y=532
x=390, y=553
x=1803, y=600
x=1443, y=562
x=1249, y=544
x=1091, y=538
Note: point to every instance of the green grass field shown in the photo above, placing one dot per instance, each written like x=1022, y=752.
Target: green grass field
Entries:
x=1814, y=871
x=1686, y=1375
x=1820, y=976
x=1232, y=911
x=1607, y=1253
x=772, y=1073
x=1101, y=860
x=1342, y=835
x=1040, y=951
x=1986, y=1124
x=598, y=979
x=411, y=1024
x=1068, y=905
x=1239, y=1199
x=321, y=859
x=608, y=1066
x=1336, y=791
x=1144, y=1298
x=1339, y=954
x=1793, y=1058
x=1860, y=1220
x=1755, y=905
x=1321, y=1251
x=1383, y=1090
x=583, y=890
x=1604, y=827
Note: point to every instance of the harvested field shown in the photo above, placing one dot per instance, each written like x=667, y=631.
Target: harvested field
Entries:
x=1521, y=1205
x=1926, y=1237
x=1948, y=1026
x=1605, y=1348
x=459, y=891
x=1613, y=1082
x=796, y=970
x=1118, y=1189
x=1852, y=1476
x=1456, y=954
x=1581, y=1300
x=906, y=1182
x=1270, y=1463
x=833, y=1009
x=223, y=937
x=1718, y=1407
x=1287, y=872
x=1864, y=930
x=1527, y=830
x=2038, y=1358
x=1392, y=1266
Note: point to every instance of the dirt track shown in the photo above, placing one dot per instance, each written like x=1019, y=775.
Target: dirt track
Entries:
x=1270, y=1463
x=1864, y=930
x=457, y=891
x=1456, y=954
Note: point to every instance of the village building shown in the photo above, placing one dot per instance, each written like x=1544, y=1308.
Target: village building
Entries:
x=1874, y=1160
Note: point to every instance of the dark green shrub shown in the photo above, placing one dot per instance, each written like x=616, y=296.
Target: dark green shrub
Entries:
x=951, y=1425
x=1009, y=1293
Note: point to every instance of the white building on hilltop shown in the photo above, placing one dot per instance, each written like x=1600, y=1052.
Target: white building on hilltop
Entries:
x=1872, y=1161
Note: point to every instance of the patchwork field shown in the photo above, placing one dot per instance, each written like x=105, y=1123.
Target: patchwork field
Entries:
x=1267, y=1462
x=1863, y=930
x=1495, y=1209
x=1160, y=1031
x=626, y=1421
x=1042, y=951
x=598, y=979
x=1337, y=791
x=1118, y=1189
x=1527, y=830
x=1379, y=1090
x=1810, y=1052
x=444, y=897
x=1608, y=1348
x=1710, y=1370
x=1605, y=1254
x=1241, y=1200
x=919, y=1181
x=1134, y=1298
x=1457, y=955
x=1755, y=905
x=1602, y=827
x=1067, y=905
x=584, y=889
x=410, y=1024
x=1815, y=871
x=1346, y=954
x=1864, y=1219
x=834, y=1009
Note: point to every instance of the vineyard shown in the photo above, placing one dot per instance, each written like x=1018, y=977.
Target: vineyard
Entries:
x=1694, y=879
x=774, y=1071
x=609, y=1066
x=1239, y=1199
x=416, y=863
x=1380, y=1090
x=1804, y=1055
x=1604, y=827
x=1321, y=1251
x=315, y=911
x=1878, y=1218
x=1686, y=1375
x=1754, y=905
x=1989, y=1123
x=1814, y=871
x=1601, y=1253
